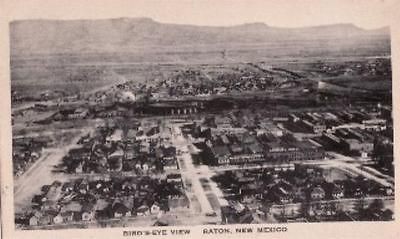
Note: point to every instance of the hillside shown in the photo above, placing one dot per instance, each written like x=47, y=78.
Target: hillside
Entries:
x=144, y=34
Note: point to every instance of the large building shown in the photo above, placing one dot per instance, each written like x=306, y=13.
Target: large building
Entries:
x=294, y=151
x=265, y=149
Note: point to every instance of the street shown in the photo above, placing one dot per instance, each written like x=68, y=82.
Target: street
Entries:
x=41, y=173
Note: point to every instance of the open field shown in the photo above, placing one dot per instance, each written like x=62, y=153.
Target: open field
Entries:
x=68, y=76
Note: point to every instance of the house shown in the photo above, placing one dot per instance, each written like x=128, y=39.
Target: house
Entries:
x=67, y=187
x=225, y=140
x=223, y=122
x=143, y=210
x=316, y=210
x=115, y=160
x=72, y=206
x=220, y=154
x=283, y=195
x=236, y=149
x=389, y=191
x=87, y=211
x=155, y=208
x=115, y=137
x=130, y=154
x=168, y=156
x=359, y=193
x=169, y=152
x=53, y=193
x=128, y=201
x=254, y=148
x=174, y=178
x=127, y=96
x=170, y=164
x=131, y=135
x=118, y=154
x=45, y=220
x=63, y=114
x=281, y=192
x=145, y=167
x=67, y=216
x=58, y=219
x=176, y=203
x=238, y=207
x=101, y=205
x=129, y=185
x=317, y=193
x=79, y=168
x=83, y=187
x=34, y=220
x=249, y=191
x=79, y=113
x=300, y=194
x=49, y=205
x=337, y=192
x=120, y=210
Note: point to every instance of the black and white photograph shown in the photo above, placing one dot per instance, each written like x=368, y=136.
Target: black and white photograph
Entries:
x=157, y=118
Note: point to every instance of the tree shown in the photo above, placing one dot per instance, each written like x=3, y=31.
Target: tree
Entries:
x=304, y=208
x=387, y=215
x=376, y=206
x=359, y=208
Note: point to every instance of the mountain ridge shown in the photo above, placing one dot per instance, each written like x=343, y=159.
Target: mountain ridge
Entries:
x=128, y=34
x=150, y=20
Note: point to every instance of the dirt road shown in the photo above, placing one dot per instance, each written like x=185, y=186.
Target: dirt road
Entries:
x=41, y=173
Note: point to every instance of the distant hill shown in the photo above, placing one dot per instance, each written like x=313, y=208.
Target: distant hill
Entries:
x=142, y=34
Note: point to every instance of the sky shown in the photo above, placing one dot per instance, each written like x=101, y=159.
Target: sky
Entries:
x=367, y=14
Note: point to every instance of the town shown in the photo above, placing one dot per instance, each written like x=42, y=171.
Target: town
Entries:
x=218, y=144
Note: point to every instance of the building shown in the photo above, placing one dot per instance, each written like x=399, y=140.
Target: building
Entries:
x=281, y=193
x=79, y=113
x=374, y=124
x=337, y=192
x=252, y=150
x=245, y=158
x=357, y=146
x=220, y=154
x=120, y=210
x=296, y=151
x=58, y=219
x=115, y=137
x=33, y=220
x=223, y=122
x=127, y=96
x=317, y=127
x=317, y=193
